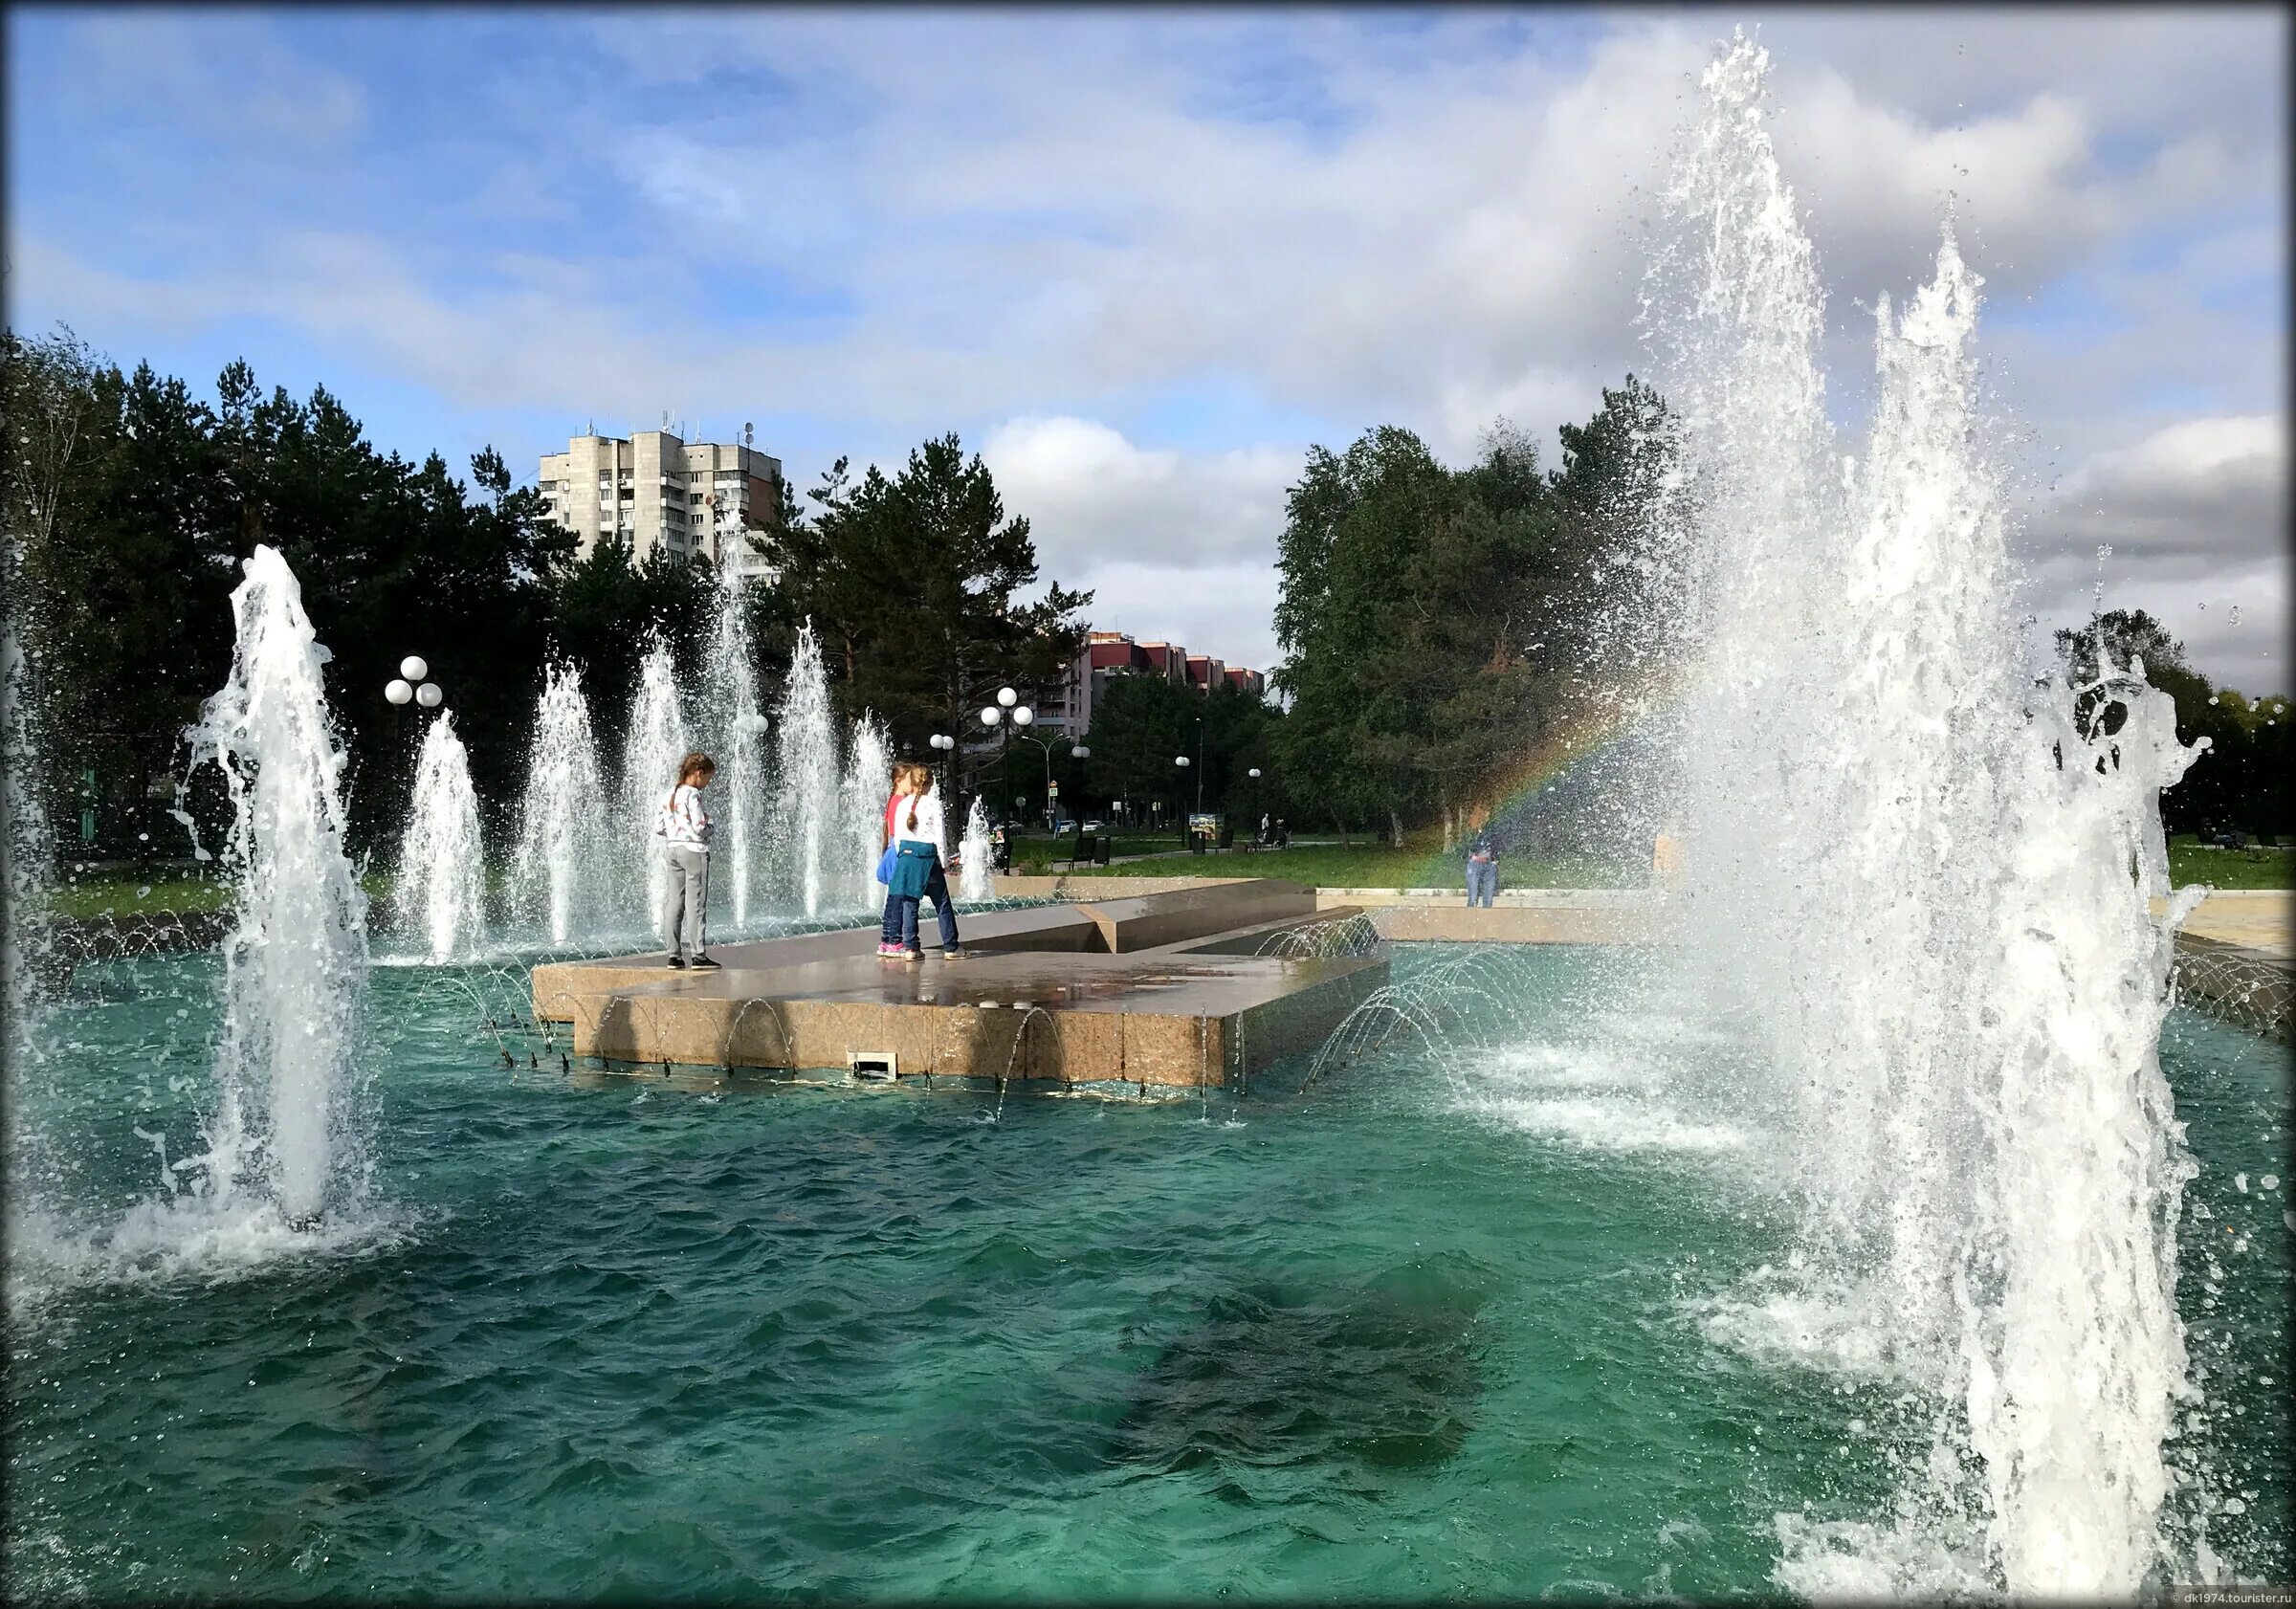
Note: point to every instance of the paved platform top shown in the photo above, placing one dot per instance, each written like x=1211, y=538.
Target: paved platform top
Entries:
x=2259, y=919
x=1165, y=982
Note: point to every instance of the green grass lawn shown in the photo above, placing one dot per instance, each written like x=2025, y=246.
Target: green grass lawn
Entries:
x=88, y=896
x=1421, y=863
x=2229, y=868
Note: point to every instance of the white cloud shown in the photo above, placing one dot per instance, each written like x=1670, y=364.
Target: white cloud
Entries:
x=1047, y=224
x=1090, y=494
x=2196, y=515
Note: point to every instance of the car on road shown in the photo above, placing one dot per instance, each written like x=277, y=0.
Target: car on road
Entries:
x=1095, y=827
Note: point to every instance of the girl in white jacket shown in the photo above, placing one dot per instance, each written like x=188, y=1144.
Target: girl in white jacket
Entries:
x=921, y=871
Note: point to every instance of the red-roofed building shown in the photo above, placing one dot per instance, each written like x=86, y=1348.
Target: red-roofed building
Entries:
x=1115, y=654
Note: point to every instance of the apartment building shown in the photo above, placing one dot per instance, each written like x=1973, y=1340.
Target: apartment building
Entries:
x=655, y=490
x=1115, y=654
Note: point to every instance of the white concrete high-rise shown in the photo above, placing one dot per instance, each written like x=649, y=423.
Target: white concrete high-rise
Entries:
x=654, y=490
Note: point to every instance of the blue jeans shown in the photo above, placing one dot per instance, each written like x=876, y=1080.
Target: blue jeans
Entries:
x=889, y=931
x=1482, y=878
x=902, y=907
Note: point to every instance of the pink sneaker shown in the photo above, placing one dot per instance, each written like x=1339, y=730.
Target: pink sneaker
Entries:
x=889, y=950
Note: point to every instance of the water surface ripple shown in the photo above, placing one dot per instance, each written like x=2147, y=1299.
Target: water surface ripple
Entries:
x=622, y=1337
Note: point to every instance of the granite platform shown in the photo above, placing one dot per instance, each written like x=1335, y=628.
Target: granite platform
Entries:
x=1183, y=988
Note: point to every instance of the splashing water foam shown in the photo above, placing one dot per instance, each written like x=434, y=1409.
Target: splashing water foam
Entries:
x=737, y=733
x=440, y=889
x=975, y=882
x=295, y=965
x=555, y=863
x=1931, y=878
x=809, y=796
x=868, y=783
x=657, y=739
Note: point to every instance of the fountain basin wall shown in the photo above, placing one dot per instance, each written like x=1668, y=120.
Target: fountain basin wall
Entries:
x=1162, y=989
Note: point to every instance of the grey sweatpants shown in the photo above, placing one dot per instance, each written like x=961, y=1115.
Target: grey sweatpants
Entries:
x=686, y=900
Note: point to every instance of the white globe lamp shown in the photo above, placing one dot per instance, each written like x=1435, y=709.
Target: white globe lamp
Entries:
x=990, y=716
x=1006, y=696
x=399, y=692
x=1022, y=715
x=428, y=696
x=413, y=668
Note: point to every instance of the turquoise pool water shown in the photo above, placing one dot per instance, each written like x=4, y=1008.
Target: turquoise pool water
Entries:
x=1442, y=1325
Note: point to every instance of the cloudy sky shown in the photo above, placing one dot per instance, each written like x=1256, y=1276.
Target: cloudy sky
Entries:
x=1141, y=260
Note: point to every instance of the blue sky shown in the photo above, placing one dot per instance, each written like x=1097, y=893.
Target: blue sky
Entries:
x=1143, y=259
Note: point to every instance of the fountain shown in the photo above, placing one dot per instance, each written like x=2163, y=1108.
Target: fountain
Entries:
x=735, y=730
x=1933, y=881
x=975, y=881
x=868, y=783
x=23, y=836
x=32, y=1159
x=559, y=850
x=656, y=742
x=807, y=800
x=295, y=965
x=440, y=889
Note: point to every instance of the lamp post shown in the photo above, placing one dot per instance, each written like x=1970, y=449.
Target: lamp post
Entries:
x=1006, y=714
x=1180, y=803
x=942, y=743
x=1200, y=765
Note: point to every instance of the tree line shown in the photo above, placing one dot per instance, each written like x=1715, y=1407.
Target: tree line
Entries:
x=130, y=500
x=1440, y=623
x=2241, y=782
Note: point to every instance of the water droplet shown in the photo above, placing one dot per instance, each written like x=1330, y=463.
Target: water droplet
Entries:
x=2234, y=616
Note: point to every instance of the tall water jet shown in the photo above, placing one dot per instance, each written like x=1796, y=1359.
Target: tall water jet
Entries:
x=657, y=739
x=560, y=848
x=736, y=731
x=975, y=882
x=295, y=964
x=30, y=1155
x=439, y=892
x=1930, y=878
x=809, y=789
x=24, y=862
x=868, y=783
